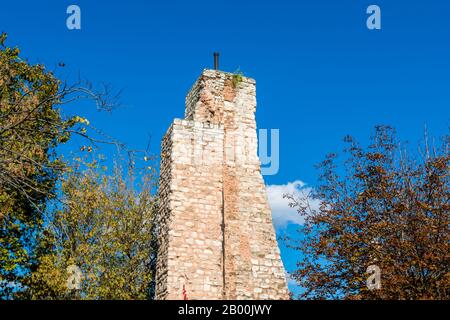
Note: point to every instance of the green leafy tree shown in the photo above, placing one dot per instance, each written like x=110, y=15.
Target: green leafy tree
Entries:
x=31, y=127
x=105, y=228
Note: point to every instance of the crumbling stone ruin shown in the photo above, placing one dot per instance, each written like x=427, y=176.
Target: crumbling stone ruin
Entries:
x=216, y=238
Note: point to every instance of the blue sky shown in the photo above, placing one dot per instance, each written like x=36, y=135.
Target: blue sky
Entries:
x=321, y=74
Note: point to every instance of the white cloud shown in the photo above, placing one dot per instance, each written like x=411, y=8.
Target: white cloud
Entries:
x=290, y=279
x=282, y=214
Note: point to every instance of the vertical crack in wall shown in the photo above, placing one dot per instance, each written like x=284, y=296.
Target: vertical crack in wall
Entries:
x=223, y=245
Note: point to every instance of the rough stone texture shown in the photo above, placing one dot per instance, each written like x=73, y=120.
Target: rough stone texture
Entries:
x=216, y=234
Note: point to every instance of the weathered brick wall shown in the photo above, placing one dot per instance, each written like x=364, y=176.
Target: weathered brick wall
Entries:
x=217, y=238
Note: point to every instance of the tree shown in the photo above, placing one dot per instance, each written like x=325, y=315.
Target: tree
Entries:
x=104, y=227
x=383, y=208
x=31, y=127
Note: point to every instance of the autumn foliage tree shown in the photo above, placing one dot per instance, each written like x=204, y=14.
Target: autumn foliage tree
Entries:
x=380, y=207
x=103, y=226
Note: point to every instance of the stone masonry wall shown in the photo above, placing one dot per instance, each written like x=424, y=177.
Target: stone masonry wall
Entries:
x=216, y=234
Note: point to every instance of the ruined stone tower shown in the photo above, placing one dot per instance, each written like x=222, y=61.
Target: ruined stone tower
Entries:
x=216, y=235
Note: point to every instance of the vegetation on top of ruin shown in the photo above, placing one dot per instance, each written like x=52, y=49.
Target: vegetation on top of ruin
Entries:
x=237, y=78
